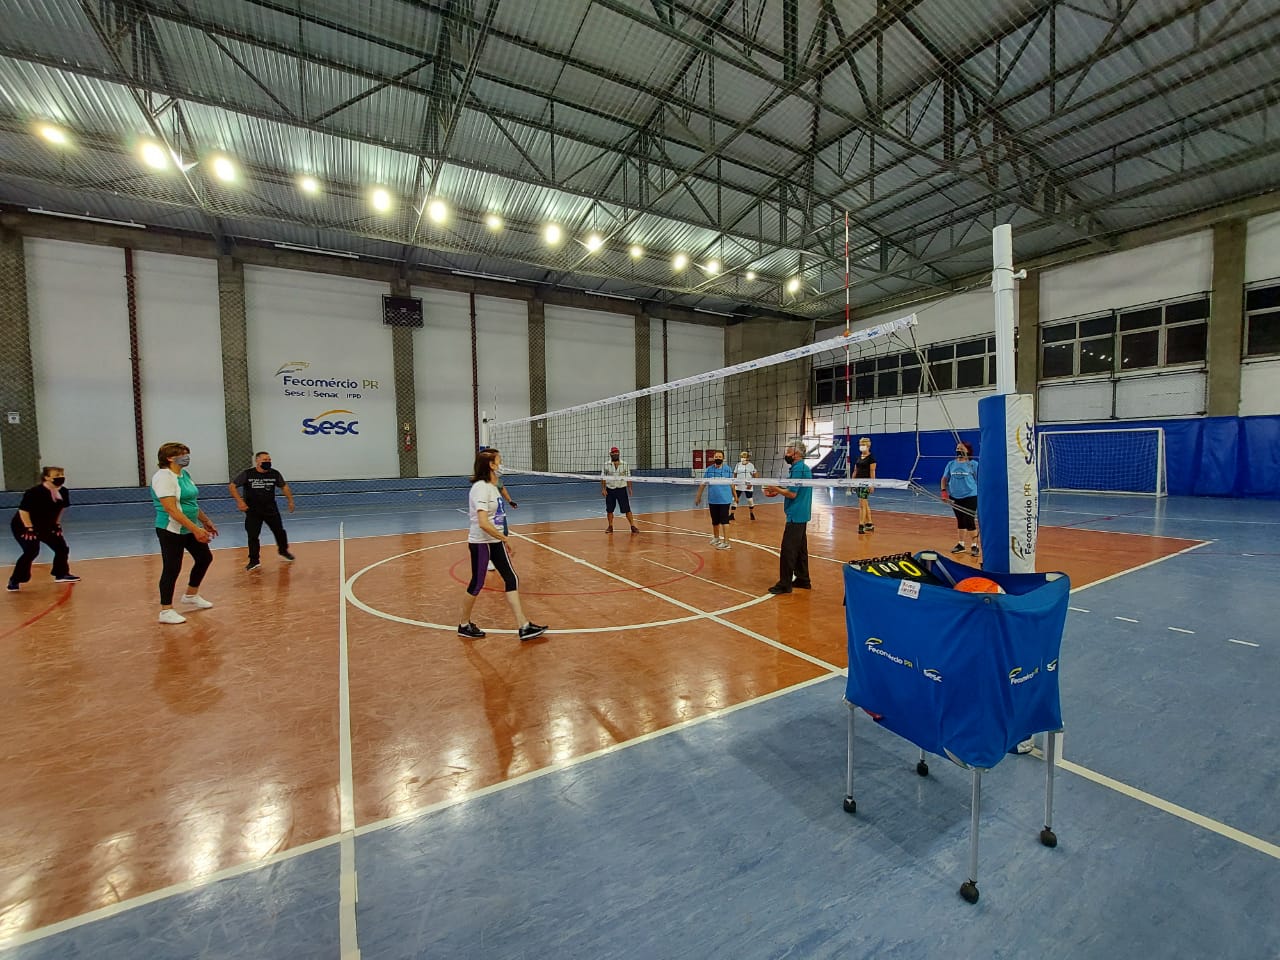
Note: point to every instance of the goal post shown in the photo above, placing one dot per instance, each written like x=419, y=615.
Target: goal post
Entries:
x=1125, y=460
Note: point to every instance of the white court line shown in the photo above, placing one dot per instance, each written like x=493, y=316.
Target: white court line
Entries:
x=1243, y=643
x=1128, y=619
x=687, y=606
x=1199, y=820
x=348, y=890
x=690, y=576
x=1078, y=609
x=613, y=628
x=410, y=815
x=1181, y=630
x=1142, y=566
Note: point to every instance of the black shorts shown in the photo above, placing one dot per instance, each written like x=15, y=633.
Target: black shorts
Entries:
x=617, y=499
x=719, y=513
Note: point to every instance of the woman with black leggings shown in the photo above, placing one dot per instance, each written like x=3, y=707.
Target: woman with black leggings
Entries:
x=181, y=526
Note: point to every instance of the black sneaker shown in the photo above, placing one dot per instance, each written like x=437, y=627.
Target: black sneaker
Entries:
x=252, y=565
x=532, y=631
x=870, y=527
x=779, y=588
x=974, y=550
x=67, y=578
x=753, y=514
x=802, y=585
x=470, y=631
x=287, y=557
x=862, y=528
x=958, y=548
x=12, y=587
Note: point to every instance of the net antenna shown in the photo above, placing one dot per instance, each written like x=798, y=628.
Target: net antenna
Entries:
x=758, y=405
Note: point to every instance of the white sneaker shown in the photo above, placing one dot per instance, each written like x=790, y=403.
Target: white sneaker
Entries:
x=172, y=616
x=197, y=601
x=715, y=541
x=722, y=545
x=1026, y=746
x=492, y=567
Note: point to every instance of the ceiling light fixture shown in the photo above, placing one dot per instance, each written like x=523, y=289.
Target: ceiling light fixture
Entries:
x=309, y=184
x=153, y=155
x=328, y=253
x=793, y=285
x=381, y=199
x=493, y=221
x=751, y=274
x=53, y=134
x=594, y=242
x=437, y=211
x=224, y=169
x=637, y=251
x=713, y=267
x=552, y=234
x=88, y=218
x=680, y=262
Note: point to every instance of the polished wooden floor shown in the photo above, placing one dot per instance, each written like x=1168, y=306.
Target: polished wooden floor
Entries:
x=139, y=756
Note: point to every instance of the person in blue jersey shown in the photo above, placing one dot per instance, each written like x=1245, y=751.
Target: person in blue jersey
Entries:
x=793, y=558
x=719, y=497
x=181, y=527
x=960, y=486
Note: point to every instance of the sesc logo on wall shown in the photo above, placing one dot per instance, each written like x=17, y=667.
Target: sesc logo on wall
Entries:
x=322, y=392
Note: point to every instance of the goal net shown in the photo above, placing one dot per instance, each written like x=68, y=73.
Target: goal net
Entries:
x=667, y=432
x=1120, y=460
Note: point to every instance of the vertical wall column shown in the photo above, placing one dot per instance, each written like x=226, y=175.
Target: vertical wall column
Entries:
x=235, y=363
x=1027, y=358
x=1226, y=321
x=765, y=408
x=538, y=382
x=19, y=442
x=644, y=405
x=406, y=387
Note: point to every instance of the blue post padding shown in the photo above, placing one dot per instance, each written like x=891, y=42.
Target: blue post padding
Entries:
x=962, y=675
x=993, y=490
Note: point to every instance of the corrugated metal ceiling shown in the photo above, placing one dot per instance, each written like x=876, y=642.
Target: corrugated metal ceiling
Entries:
x=710, y=128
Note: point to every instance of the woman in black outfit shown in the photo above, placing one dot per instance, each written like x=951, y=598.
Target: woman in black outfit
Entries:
x=36, y=522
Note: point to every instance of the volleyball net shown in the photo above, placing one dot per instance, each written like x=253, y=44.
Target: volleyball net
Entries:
x=667, y=433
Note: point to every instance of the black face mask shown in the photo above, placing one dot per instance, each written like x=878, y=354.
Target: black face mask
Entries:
x=789, y=458
x=265, y=464
x=58, y=481
x=614, y=458
x=718, y=463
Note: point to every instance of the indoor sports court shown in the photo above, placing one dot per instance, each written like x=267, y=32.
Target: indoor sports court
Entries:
x=694, y=313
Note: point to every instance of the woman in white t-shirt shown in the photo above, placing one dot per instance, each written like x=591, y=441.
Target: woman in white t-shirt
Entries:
x=488, y=544
x=181, y=526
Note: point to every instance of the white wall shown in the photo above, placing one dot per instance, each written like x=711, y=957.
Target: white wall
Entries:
x=334, y=326
x=442, y=377
x=1159, y=271
x=590, y=355
x=1262, y=253
x=80, y=353
x=180, y=343
x=691, y=349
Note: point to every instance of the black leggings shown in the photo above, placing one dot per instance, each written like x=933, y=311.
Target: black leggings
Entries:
x=171, y=547
x=482, y=554
x=31, y=550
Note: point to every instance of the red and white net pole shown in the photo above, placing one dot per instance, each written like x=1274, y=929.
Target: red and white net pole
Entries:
x=848, y=384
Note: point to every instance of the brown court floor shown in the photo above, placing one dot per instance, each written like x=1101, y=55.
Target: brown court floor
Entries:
x=139, y=756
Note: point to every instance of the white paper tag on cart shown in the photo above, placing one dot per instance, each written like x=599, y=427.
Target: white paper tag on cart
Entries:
x=909, y=588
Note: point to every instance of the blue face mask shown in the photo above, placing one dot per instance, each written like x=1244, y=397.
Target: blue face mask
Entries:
x=183, y=461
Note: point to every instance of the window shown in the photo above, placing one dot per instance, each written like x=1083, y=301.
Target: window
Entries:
x=1146, y=337
x=965, y=364
x=1262, y=320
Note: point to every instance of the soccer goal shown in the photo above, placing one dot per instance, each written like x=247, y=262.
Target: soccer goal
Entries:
x=1113, y=460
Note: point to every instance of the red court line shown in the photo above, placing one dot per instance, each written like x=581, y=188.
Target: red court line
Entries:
x=47, y=610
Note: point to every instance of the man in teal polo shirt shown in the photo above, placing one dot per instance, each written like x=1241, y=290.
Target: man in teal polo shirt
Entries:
x=793, y=559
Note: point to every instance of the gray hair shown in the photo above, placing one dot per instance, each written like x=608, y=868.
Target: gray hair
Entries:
x=796, y=444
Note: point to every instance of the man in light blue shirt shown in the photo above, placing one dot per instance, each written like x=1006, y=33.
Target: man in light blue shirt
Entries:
x=793, y=558
x=718, y=499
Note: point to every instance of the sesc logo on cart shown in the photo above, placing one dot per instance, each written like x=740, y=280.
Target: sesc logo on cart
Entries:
x=330, y=423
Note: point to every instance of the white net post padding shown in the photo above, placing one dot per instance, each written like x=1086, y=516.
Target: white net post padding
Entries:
x=755, y=406
x=1128, y=460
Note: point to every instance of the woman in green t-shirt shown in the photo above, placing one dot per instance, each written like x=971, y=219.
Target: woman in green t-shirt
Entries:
x=180, y=526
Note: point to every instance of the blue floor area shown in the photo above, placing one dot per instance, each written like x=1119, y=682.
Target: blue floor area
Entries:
x=728, y=839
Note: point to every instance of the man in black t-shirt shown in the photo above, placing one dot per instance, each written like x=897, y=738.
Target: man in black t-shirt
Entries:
x=258, y=504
